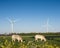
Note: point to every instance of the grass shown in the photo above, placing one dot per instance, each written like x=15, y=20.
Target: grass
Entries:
x=29, y=42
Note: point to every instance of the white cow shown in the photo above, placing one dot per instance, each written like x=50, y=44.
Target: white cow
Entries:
x=40, y=37
x=16, y=37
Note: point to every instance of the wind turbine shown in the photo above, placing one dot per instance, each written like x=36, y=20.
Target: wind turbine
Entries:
x=12, y=24
x=47, y=25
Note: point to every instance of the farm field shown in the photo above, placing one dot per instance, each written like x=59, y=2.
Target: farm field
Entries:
x=53, y=41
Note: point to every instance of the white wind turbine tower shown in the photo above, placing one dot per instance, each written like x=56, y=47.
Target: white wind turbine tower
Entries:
x=47, y=26
x=12, y=24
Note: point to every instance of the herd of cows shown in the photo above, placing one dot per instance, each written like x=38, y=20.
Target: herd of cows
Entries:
x=19, y=38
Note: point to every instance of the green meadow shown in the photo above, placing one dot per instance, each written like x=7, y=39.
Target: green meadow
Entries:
x=53, y=41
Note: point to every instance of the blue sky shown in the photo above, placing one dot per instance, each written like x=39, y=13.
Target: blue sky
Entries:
x=32, y=15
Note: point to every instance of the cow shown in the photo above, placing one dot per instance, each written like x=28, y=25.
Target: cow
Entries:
x=41, y=37
x=17, y=37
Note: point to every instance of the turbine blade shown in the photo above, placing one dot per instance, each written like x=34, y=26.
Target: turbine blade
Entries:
x=10, y=20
